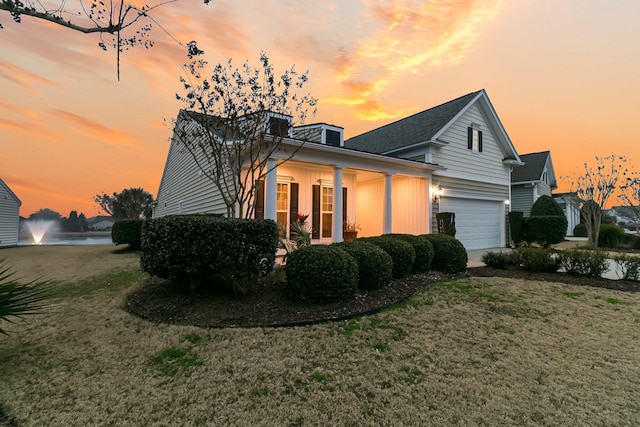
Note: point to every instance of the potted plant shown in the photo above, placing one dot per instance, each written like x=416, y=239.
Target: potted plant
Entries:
x=349, y=230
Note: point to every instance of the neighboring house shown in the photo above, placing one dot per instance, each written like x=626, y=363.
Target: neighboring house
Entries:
x=570, y=204
x=455, y=157
x=9, y=216
x=623, y=214
x=536, y=178
x=100, y=223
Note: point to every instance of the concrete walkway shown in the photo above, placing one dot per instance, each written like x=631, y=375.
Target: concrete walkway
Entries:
x=475, y=257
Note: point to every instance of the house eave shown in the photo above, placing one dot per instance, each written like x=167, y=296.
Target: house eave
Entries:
x=513, y=162
x=416, y=145
x=342, y=155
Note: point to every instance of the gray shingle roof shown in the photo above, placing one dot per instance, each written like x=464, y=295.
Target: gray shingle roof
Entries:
x=414, y=129
x=532, y=168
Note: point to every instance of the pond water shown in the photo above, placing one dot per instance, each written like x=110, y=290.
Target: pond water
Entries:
x=92, y=238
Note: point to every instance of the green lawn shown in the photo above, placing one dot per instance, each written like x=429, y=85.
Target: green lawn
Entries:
x=473, y=351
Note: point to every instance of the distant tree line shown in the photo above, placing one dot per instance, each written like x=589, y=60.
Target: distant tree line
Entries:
x=73, y=222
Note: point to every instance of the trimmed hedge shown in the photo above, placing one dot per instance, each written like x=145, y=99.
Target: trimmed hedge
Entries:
x=449, y=256
x=580, y=230
x=584, y=263
x=190, y=249
x=500, y=260
x=628, y=267
x=611, y=236
x=535, y=259
x=127, y=231
x=423, y=249
x=401, y=252
x=547, y=223
x=375, y=266
x=321, y=274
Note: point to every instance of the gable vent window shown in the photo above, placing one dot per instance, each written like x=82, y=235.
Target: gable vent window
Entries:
x=278, y=126
x=474, y=139
x=332, y=138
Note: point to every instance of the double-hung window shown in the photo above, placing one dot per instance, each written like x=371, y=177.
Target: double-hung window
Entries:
x=474, y=139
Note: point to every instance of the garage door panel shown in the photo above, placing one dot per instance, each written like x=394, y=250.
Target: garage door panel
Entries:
x=478, y=222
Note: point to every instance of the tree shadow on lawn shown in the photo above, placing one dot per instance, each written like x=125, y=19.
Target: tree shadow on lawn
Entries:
x=267, y=305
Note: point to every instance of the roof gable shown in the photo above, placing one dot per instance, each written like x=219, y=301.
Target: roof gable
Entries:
x=428, y=125
x=533, y=168
x=11, y=193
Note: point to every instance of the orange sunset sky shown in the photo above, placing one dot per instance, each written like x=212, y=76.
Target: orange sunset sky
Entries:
x=563, y=76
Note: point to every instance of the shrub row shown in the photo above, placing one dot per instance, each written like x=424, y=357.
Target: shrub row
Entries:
x=315, y=276
x=190, y=249
x=127, y=232
x=628, y=267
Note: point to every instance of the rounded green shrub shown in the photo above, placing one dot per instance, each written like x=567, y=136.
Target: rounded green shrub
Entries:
x=587, y=263
x=401, y=252
x=580, y=230
x=321, y=274
x=611, y=236
x=375, y=266
x=423, y=249
x=635, y=242
x=449, y=255
x=127, y=231
x=547, y=223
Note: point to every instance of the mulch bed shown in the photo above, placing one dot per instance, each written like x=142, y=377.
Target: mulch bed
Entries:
x=159, y=301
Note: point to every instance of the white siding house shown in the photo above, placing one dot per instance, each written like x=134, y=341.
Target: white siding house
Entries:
x=467, y=139
x=455, y=157
x=9, y=216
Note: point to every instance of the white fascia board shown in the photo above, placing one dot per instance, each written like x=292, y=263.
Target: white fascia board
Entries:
x=416, y=145
x=452, y=194
x=344, y=157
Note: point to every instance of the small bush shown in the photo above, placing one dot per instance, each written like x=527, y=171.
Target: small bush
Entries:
x=321, y=274
x=587, y=263
x=635, y=242
x=499, y=260
x=628, y=267
x=535, y=259
x=127, y=231
x=580, y=230
x=401, y=252
x=375, y=266
x=423, y=248
x=611, y=236
x=449, y=255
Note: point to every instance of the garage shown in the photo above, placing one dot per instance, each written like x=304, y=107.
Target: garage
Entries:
x=479, y=223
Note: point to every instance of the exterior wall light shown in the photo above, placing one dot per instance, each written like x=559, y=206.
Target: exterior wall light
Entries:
x=437, y=193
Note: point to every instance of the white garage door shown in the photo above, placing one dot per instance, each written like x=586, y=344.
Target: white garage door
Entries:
x=478, y=222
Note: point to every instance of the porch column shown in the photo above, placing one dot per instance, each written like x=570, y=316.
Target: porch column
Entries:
x=271, y=189
x=386, y=225
x=337, y=204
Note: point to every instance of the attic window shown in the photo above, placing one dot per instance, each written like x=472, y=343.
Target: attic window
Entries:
x=278, y=126
x=332, y=138
x=474, y=139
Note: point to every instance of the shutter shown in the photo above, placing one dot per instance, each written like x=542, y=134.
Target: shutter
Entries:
x=259, y=202
x=315, y=213
x=293, y=203
x=344, y=205
x=470, y=138
x=480, y=141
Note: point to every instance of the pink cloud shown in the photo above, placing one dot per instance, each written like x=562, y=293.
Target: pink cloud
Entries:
x=96, y=130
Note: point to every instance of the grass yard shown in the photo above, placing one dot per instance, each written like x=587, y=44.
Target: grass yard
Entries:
x=473, y=351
